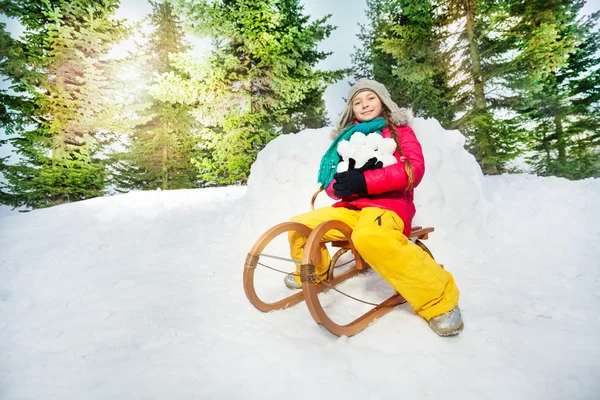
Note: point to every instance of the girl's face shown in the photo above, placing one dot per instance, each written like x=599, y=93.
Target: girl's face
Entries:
x=366, y=106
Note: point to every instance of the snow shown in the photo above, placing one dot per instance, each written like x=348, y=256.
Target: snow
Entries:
x=139, y=296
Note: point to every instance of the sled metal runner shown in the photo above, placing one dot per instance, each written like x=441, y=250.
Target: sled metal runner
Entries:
x=311, y=284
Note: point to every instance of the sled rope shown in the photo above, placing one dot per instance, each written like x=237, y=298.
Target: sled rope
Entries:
x=341, y=265
x=275, y=269
x=291, y=260
x=319, y=280
x=279, y=258
x=347, y=295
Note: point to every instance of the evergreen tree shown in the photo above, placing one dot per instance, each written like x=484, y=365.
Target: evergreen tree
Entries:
x=258, y=82
x=498, y=59
x=557, y=85
x=402, y=48
x=447, y=58
x=52, y=112
x=483, y=56
x=164, y=142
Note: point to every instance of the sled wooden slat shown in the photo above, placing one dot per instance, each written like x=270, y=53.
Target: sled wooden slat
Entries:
x=416, y=232
x=344, y=244
x=421, y=233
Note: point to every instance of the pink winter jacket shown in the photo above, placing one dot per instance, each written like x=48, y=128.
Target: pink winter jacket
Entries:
x=387, y=187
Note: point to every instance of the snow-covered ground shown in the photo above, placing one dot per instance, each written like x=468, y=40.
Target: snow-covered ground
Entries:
x=139, y=296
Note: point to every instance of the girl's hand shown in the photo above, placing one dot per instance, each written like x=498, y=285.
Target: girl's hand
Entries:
x=353, y=180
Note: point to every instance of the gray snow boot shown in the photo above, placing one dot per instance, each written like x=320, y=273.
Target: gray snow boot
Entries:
x=447, y=324
x=290, y=282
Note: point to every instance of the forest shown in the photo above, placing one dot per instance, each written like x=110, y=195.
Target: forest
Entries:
x=518, y=78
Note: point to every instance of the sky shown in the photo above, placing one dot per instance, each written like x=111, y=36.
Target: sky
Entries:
x=140, y=295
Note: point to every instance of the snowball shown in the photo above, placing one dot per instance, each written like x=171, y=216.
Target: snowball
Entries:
x=367, y=153
x=358, y=139
x=365, y=148
x=387, y=159
x=342, y=166
x=351, y=153
x=361, y=158
x=344, y=149
x=373, y=140
x=387, y=146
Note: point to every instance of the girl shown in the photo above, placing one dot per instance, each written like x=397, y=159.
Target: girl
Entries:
x=377, y=203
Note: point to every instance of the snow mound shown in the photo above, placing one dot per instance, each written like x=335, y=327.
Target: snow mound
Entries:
x=450, y=196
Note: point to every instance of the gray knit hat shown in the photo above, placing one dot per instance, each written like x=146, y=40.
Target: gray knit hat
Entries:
x=399, y=116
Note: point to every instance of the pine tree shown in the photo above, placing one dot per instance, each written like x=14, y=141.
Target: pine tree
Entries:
x=484, y=53
x=402, y=48
x=523, y=75
x=557, y=85
x=447, y=58
x=164, y=142
x=52, y=112
x=259, y=81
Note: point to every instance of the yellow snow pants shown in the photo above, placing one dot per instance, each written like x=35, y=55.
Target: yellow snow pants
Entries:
x=378, y=237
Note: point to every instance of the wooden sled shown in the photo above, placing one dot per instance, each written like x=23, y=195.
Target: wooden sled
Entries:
x=311, y=284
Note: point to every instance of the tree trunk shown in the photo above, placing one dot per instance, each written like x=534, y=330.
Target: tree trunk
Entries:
x=165, y=172
x=560, y=141
x=476, y=70
x=484, y=142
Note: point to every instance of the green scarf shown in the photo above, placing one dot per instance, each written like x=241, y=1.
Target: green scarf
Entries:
x=331, y=159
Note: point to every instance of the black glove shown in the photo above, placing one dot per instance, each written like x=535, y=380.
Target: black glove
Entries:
x=353, y=180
